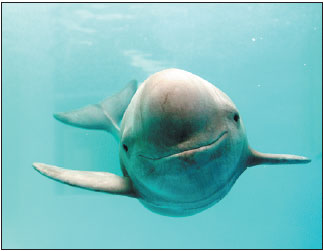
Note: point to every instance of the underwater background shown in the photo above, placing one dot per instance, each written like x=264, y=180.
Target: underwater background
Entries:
x=58, y=57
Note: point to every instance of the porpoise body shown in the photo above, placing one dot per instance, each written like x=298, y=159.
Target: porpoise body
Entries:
x=182, y=144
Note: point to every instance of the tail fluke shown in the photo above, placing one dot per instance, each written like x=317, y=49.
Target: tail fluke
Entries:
x=103, y=116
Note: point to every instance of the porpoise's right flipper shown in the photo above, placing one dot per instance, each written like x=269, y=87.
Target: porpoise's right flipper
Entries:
x=98, y=181
x=105, y=115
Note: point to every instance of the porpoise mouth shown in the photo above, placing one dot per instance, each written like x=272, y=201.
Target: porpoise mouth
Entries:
x=190, y=151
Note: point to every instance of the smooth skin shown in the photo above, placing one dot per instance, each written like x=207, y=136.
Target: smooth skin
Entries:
x=182, y=144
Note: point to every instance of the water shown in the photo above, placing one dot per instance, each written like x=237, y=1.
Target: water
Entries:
x=57, y=57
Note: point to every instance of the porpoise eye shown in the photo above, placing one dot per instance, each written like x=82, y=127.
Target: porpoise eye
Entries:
x=236, y=117
x=125, y=147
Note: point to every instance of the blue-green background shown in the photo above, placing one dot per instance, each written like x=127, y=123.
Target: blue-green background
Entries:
x=57, y=57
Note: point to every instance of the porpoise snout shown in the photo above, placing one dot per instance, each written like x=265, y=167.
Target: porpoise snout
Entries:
x=177, y=110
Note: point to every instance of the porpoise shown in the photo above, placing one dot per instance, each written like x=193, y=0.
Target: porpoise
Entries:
x=182, y=144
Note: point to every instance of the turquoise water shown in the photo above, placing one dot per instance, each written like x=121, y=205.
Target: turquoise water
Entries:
x=57, y=57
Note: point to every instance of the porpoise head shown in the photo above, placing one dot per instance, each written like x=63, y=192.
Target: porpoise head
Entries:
x=183, y=143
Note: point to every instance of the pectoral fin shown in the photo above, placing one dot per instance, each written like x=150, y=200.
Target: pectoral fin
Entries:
x=258, y=158
x=105, y=115
x=99, y=181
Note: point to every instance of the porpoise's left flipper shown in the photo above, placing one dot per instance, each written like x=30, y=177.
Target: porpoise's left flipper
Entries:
x=258, y=158
x=105, y=115
x=98, y=181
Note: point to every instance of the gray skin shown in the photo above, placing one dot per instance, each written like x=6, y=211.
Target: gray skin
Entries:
x=182, y=144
